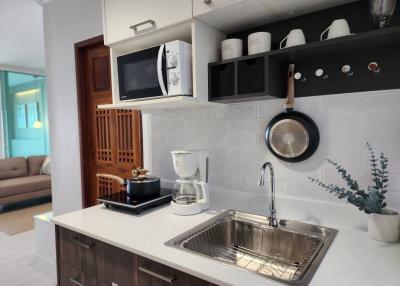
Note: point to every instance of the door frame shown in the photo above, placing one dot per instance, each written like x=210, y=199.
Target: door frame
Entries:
x=82, y=95
x=83, y=102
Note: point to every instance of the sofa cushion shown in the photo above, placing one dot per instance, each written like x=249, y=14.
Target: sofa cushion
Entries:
x=24, y=185
x=13, y=168
x=34, y=164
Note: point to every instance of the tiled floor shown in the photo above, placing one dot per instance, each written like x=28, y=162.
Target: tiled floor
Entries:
x=20, y=265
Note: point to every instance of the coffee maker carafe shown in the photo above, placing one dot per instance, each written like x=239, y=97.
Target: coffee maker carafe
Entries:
x=190, y=194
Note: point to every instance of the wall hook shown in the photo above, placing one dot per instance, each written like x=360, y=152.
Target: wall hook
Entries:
x=321, y=73
x=346, y=69
x=299, y=76
x=374, y=67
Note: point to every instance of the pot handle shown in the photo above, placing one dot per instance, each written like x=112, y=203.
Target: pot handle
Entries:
x=289, y=103
x=119, y=179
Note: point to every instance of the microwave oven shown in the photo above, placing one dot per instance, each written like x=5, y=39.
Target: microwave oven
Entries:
x=164, y=70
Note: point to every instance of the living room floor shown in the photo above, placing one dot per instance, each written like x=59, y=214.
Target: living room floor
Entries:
x=20, y=265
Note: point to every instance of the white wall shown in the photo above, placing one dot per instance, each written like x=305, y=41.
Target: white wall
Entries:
x=1, y=129
x=21, y=36
x=65, y=23
x=234, y=136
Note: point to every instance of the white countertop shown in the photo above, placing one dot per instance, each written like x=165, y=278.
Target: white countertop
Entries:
x=353, y=258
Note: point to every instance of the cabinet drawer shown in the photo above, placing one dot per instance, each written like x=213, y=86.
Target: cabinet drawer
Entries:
x=70, y=276
x=92, y=256
x=91, y=281
x=68, y=250
x=81, y=252
x=151, y=273
x=119, y=267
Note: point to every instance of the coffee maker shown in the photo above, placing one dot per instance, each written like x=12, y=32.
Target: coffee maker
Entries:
x=191, y=195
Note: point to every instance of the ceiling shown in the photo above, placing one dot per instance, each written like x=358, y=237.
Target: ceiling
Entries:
x=21, y=35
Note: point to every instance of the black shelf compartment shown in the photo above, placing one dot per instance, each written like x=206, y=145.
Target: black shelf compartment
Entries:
x=255, y=77
x=222, y=76
x=384, y=43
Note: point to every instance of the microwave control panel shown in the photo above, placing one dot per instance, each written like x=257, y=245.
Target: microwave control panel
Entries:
x=179, y=67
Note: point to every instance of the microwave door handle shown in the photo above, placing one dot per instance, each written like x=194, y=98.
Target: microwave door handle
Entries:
x=159, y=70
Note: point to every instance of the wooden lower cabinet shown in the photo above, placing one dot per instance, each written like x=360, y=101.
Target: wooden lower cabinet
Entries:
x=70, y=276
x=84, y=261
x=151, y=273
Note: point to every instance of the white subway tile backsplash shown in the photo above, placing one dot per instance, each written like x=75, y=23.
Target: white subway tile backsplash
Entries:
x=243, y=139
x=269, y=108
x=307, y=190
x=257, y=125
x=383, y=142
x=385, y=120
x=394, y=160
x=234, y=136
x=393, y=200
x=243, y=110
x=260, y=140
x=344, y=122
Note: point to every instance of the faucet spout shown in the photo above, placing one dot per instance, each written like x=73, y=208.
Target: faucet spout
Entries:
x=273, y=221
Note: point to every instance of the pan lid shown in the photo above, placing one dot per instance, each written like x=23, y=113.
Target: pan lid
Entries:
x=143, y=180
x=289, y=138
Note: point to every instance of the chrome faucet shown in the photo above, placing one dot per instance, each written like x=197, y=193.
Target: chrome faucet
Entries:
x=273, y=221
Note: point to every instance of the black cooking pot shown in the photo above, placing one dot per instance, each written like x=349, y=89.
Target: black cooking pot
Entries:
x=137, y=187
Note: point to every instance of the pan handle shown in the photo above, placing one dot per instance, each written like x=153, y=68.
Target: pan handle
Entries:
x=289, y=103
x=119, y=179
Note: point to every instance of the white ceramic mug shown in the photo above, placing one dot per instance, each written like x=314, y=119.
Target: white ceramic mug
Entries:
x=338, y=28
x=231, y=48
x=259, y=42
x=294, y=38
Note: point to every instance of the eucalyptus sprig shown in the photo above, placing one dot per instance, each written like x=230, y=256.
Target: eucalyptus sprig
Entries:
x=371, y=201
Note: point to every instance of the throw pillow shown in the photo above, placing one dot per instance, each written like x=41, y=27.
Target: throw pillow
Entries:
x=46, y=167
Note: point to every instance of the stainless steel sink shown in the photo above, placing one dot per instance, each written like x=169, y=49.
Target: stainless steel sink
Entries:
x=289, y=253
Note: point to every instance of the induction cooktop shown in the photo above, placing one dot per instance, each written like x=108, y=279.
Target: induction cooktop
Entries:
x=136, y=205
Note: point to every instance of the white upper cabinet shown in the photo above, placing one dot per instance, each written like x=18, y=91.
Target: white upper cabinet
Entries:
x=205, y=6
x=124, y=19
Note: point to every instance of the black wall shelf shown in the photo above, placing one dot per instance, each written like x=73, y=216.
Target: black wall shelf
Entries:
x=357, y=50
x=248, y=78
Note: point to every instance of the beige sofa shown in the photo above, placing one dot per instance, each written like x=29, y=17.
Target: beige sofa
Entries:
x=20, y=180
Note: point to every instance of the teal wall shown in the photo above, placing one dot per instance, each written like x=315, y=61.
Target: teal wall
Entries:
x=21, y=91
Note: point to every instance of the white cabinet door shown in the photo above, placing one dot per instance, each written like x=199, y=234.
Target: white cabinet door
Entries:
x=205, y=6
x=124, y=19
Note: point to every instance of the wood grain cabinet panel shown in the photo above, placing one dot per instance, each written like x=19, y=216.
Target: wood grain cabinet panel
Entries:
x=70, y=276
x=82, y=260
x=119, y=266
x=151, y=273
x=127, y=268
x=81, y=252
x=111, y=264
x=92, y=257
x=68, y=251
x=91, y=281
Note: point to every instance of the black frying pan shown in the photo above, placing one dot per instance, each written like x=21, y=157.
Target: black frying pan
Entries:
x=292, y=136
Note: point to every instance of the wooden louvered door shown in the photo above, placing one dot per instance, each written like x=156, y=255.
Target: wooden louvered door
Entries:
x=110, y=139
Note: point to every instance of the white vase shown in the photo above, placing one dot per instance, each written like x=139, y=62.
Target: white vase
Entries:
x=384, y=227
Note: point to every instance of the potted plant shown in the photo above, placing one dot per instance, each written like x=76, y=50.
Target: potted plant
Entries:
x=383, y=223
